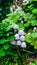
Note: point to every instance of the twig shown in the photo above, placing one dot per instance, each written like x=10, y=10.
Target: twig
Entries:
x=18, y=51
x=28, y=51
x=19, y=55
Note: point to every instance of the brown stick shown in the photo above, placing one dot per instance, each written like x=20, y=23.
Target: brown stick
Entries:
x=18, y=51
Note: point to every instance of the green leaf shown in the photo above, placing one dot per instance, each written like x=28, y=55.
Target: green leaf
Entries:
x=31, y=39
x=17, y=15
x=28, y=38
x=33, y=22
x=2, y=53
x=35, y=45
x=24, y=4
x=26, y=25
x=35, y=61
x=20, y=12
x=34, y=35
x=2, y=41
x=34, y=11
x=6, y=46
x=15, y=18
x=27, y=15
x=21, y=26
x=11, y=38
x=32, y=64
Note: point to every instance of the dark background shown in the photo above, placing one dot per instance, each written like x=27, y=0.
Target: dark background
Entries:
x=4, y=8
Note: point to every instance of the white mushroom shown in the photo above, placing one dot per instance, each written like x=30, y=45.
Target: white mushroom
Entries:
x=23, y=45
x=22, y=38
x=34, y=29
x=18, y=42
x=17, y=37
x=21, y=32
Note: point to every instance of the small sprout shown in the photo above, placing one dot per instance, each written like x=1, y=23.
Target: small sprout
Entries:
x=19, y=42
x=15, y=26
x=17, y=37
x=22, y=22
x=26, y=1
x=13, y=6
x=7, y=34
x=28, y=33
x=15, y=11
x=22, y=38
x=15, y=31
x=34, y=29
x=23, y=45
x=19, y=8
x=31, y=15
x=13, y=42
x=21, y=32
x=11, y=9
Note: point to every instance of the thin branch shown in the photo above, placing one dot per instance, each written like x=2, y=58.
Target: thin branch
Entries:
x=27, y=51
x=19, y=55
x=18, y=51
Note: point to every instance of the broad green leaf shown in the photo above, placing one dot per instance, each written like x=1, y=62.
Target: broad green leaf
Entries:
x=21, y=26
x=30, y=7
x=27, y=15
x=20, y=12
x=16, y=15
x=35, y=44
x=2, y=41
x=34, y=11
x=32, y=40
x=28, y=38
x=26, y=25
x=34, y=35
x=7, y=24
x=10, y=38
x=2, y=53
x=6, y=46
x=33, y=22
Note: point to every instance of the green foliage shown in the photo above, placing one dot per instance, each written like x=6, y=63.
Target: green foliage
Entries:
x=32, y=39
x=17, y=15
x=34, y=11
x=33, y=0
x=6, y=37
x=35, y=63
x=21, y=27
x=29, y=18
x=2, y=53
x=6, y=28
